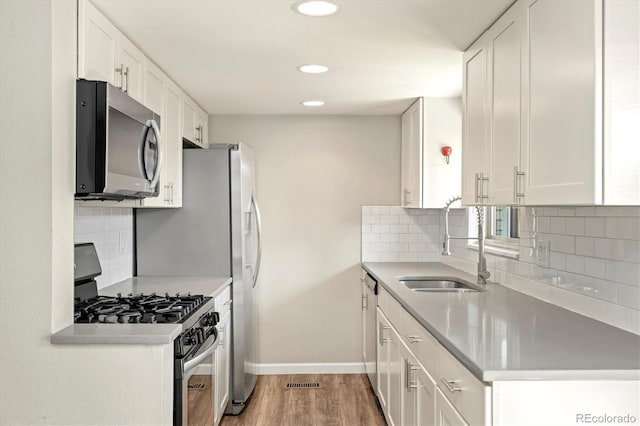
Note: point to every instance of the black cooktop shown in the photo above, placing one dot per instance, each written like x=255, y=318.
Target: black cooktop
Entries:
x=137, y=308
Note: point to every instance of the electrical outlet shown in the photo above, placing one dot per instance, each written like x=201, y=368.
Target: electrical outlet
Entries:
x=542, y=253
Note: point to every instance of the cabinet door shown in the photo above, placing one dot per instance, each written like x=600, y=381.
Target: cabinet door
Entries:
x=418, y=394
x=562, y=155
x=173, y=142
x=446, y=414
x=221, y=397
x=622, y=102
x=382, y=382
x=131, y=59
x=153, y=98
x=425, y=399
x=412, y=155
x=475, y=138
x=505, y=106
x=97, y=39
x=189, y=119
x=203, y=123
x=395, y=378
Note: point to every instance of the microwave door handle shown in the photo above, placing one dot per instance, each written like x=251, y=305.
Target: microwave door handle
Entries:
x=156, y=172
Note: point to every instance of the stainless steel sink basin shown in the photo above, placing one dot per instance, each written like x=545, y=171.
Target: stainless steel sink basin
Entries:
x=437, y=285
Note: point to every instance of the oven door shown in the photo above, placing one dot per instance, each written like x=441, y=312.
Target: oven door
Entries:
x=198, y=387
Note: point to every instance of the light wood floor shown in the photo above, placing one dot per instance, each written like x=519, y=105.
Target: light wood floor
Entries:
x=342, y=400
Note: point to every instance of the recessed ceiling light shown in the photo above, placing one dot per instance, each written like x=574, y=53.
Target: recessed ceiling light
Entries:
x=315, y=8
x=313, y=69
x=313, y=103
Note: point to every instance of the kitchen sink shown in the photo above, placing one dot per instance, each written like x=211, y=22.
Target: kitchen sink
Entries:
x=437, y=285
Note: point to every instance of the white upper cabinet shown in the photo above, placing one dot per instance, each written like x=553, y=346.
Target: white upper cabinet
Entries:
x=428, y=179
x=97, y=40
x=504, y=81
x=563, y=103
x=105, y=54
x=412, y=155
x=163, y=96
x=475, y=133
x=130, y=63
x=562, y=150
x=622, y=102
x=195, y=125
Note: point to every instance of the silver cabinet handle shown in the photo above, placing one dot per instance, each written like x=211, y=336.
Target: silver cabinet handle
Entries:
x=167, y=194
x=171, y=193
x=121, y=71
x=407, y=197
x=450, y=385
x=483, y=179
x=126, y=80
x=381, y=331
x=227, y=303
x=408, y=379
x=516, y=184
x=414, y=339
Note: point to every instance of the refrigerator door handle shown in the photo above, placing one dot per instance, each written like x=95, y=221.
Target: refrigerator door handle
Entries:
x=259, y=239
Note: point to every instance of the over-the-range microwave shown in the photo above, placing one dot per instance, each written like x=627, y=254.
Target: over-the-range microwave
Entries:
x=118, y=152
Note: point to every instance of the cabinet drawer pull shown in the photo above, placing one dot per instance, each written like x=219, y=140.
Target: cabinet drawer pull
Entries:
x=414, y=339
x=381, y=330
x=228, y=302
x=409, y=383
x=449, y=384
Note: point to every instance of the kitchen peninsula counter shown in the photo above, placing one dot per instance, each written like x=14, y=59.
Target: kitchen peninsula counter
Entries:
x=140, y=334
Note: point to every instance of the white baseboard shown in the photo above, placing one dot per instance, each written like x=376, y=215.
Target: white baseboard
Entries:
x=320, y=368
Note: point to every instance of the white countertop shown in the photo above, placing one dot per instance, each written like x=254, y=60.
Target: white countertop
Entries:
x=142, y=334
x=501, y=334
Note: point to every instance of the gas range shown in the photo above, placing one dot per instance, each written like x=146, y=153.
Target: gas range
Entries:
x=138, y=308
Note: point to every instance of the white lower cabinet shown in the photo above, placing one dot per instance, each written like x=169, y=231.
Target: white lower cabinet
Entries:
x=446, y=414
x=418, y=393
x=389, y=371
x=222, y=355
x=419, y=382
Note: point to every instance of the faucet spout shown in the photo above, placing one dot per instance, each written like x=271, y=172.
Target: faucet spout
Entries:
x=483, y=272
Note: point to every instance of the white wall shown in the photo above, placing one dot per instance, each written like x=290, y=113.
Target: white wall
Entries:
x=110, y=229
x=313, y=175
x=42, y=383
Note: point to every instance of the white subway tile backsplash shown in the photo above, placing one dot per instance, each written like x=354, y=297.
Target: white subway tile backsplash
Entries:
x=104, y=226
x=595, y=227
x=594, y=254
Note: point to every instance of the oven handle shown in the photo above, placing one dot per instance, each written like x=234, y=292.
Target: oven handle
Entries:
x=205, y=351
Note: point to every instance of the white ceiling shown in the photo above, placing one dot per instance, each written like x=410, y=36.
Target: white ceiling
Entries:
x=240, y=56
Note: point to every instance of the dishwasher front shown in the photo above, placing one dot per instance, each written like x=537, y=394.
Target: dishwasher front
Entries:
x=369, y=303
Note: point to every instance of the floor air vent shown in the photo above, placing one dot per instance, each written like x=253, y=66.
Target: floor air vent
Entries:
x=302, y=385
x=197, y=386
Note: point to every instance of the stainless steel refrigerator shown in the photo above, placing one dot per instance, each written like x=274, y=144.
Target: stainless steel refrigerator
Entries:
x=215, y=233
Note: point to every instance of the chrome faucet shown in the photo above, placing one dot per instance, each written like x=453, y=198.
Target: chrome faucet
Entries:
x=483, y=273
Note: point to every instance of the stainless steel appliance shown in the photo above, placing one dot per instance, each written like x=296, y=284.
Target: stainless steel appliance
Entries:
x=194, y=346
x=215, y=233
x=369, y=303
x=118, y=153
